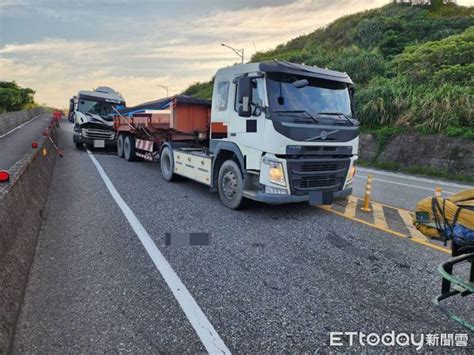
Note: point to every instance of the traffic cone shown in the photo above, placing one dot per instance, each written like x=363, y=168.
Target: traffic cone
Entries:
x=368, y=190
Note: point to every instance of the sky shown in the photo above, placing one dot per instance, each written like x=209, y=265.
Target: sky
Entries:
x=58, y=47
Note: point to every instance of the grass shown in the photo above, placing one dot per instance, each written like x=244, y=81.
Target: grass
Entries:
x=465, y=132
x=382, y=134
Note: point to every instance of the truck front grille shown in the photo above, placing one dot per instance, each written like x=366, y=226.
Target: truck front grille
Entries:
x=318, y=167
x=317, y=174
x=98, y=134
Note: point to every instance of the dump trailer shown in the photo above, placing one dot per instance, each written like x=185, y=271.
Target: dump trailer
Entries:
x=275, y=132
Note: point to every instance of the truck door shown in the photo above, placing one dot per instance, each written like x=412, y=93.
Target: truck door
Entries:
x=253, y=124
x=248, y=132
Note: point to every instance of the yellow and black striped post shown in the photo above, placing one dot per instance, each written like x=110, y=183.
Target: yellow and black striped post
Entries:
x=368, y=190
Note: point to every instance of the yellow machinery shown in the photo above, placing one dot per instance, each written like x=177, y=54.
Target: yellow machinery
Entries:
x=451, y=220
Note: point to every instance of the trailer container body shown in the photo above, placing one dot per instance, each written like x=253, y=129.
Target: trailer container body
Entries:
x=275, y=132
x=182, y=119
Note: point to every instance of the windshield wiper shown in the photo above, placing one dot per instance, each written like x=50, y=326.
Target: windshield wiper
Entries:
x=337, y=114
x=299, y=111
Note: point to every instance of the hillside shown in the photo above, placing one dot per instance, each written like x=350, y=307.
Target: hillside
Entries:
x=412, y=65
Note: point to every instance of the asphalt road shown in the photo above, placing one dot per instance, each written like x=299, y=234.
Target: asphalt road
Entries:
x=273, y=279
x=15, y=145
x=402, y=190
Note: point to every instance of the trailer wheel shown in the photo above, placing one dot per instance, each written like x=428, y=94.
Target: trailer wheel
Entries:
x=129, y=148
x=231, y=185
x=120, y=142
x=167, y=165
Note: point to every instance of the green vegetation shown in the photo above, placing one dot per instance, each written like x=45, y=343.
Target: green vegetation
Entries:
x=14, y=97
x=382, y=134
x=201, y=90
x=412, y=65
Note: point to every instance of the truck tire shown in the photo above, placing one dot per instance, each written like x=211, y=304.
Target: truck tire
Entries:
x=231, y=185
x=129, y=148
x=79, y=145
x=167, y=165
x=120, y=142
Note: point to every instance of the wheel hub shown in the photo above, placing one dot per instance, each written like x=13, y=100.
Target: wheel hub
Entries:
x=229, y=184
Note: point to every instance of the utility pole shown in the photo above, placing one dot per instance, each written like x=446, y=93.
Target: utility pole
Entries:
x=239, y=52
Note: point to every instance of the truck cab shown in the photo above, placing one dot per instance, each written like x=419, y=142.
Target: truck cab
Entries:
x=290, y=129
x=92, y=113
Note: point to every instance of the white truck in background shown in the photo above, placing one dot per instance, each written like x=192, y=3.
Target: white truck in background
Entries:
x=92, y=114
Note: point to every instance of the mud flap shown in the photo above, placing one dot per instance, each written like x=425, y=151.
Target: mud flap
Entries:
x=318, y=198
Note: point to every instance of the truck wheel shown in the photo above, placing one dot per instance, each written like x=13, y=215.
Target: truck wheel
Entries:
x=129, y=148
x=167, y=165
x=120, y=142
x=79, y=145
x=231, y=185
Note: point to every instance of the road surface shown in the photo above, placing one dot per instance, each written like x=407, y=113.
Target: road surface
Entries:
x=273, y=279
x=14, y=145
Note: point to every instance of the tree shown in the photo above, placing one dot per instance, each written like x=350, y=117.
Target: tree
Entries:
x=14, y=97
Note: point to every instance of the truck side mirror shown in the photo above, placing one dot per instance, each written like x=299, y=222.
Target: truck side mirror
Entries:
x=244, y=96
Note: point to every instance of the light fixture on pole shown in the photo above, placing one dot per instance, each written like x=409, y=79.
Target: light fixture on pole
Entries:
x=165, y=87
x=239, y=52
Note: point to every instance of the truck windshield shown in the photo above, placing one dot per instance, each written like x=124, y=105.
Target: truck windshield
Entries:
x=318, y=98
x=100, y=108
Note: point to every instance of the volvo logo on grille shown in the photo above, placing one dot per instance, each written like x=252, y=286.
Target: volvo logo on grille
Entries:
x=323, y=135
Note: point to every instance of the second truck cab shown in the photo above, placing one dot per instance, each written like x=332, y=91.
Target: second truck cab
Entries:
x=92, y=113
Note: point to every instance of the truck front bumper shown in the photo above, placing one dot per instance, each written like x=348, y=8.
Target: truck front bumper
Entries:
x=78, y=138
x=274, y=199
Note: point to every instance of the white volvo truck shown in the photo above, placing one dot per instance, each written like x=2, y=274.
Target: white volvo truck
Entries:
x=278, y=132
x=92, y=114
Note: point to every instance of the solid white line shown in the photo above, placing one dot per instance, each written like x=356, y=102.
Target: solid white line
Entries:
x=415, y=178
x=20, y=126
x=204, y=329
x=409, y=185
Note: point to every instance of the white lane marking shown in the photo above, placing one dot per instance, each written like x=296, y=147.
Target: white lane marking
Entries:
x=409, y=185
x=20, y=126
x=204, y=329
x=415, y=178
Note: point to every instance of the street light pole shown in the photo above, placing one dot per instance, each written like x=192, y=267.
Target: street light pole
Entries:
x=164, y=87
x=239, y=52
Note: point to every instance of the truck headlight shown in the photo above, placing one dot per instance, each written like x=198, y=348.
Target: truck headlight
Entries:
x=276, y=173
x=352, y=171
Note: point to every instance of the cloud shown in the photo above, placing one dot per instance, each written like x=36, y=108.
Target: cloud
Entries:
x=165, y=49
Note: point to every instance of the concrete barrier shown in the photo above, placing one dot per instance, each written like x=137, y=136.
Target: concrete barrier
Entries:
x=10, y=120
x=21, y=205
